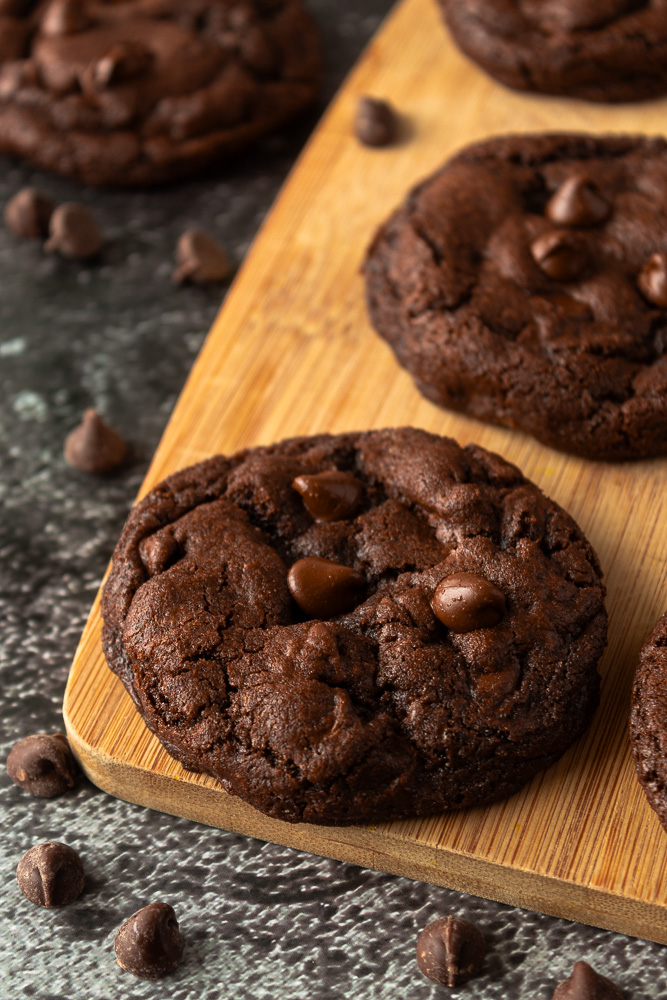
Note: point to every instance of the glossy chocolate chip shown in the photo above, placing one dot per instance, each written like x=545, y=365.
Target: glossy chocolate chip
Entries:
x=200, y=259
x=450, y=951
x=64, y=17
x=122, y=61
x=577, y=202
x=330, y=496
x=74, y=232
x=324, y=589
x=93, y=446
x=43, y=765
x=561, y=255
x=28, y=214
x=149, y=943
x=652, y=280
x=465, y=602
x=586, y=984
x=376, y=123
x=50, y=874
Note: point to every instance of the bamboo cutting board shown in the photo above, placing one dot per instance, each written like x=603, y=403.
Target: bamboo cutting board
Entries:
x=292, y=352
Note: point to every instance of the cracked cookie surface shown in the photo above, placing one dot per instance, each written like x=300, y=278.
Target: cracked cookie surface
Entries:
x=525, y=284
x=599, y=50
x=132, y=92
x=648, y=719
x=382, y=711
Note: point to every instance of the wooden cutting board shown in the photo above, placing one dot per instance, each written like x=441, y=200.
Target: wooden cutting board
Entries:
x=292, y=352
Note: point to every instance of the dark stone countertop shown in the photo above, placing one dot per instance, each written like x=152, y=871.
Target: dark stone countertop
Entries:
x=258, y=920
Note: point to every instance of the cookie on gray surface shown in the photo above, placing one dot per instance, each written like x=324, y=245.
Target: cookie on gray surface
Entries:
x=648, y=719
x=356, y=702
x=525, y=284
x=129, y=92
x=599, y=50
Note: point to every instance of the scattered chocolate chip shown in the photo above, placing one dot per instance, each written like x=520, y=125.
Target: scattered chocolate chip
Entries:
x=376, y=123
x=324, y=589
x=257, y=51
x=200, y=259
x=465, y=602
x=450, y=951
x=43, y=765
x=158, y=551
x=577, y=202
x=28, y=213
x=50, y=874
x=74, y=232
x=652, y=280
x=64, y=17
x=149, y=943
x=329, y=496
x=123, y=61
x=561, y=255
x=586, y=984
x=93, y=446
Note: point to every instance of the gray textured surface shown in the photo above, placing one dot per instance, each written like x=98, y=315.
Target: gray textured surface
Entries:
x=258, y=920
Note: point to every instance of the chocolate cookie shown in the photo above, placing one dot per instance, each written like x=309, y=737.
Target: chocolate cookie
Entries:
x=648, y=719
x=525, y=284
x=129, y=92
x=600, y=50
x=271, y=616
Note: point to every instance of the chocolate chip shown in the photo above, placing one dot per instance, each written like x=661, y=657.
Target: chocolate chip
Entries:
x=465, y=602
x=50, y=874
x=561, y=255
x=64, y=17
x=200, y=259
x=28, y=213
x=74, y=232
x=324, y=589
x=652, y=280
x=257, y=52
x=149, y=943
x=376, y=123
x=577, y=202
x=586, y=984
x=329, y=496
x=43, y=765
x=93, y=446
x=450, y=951
x=123, y=61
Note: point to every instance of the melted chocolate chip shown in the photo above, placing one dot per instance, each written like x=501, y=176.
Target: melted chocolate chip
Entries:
x=200, y=259
x=28, y=214
x=329, y=496
x=50, y=874
x=64, y=17
x=450, y=951
x=652, y=280
x=465, y=602
x=123, y=61
x=93, y=446
x=43, y=765
x=324, y=589
x=561, y=255
x=376, y=123
x=577, y=202
x=149, y=943
x=73, y=232
x=586, y=984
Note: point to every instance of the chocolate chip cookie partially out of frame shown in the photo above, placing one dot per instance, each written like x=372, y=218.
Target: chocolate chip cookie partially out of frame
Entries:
x=291, y=644
x=598, y=50
x=133, y=92
x=648, y=719
x=525, y=284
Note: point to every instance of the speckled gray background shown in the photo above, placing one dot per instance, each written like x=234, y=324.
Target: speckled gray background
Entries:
x=258, y=920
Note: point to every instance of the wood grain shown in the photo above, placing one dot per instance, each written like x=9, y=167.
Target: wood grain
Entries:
x=292, y=352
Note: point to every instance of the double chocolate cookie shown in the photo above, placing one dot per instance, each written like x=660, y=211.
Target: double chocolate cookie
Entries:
x=648, y=719
x=525, y=284
x=130, y=92
x=600, y=50
x=350, y=628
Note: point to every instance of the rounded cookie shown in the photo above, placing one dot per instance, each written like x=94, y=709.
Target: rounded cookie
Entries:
x=271, y=616
x=132, y=92
x=525, y=284
x=599, y=50
x=648, y=719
